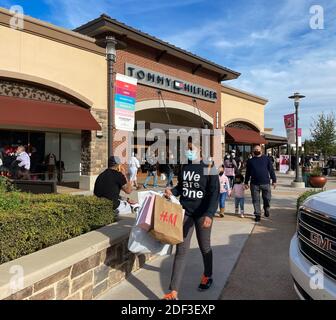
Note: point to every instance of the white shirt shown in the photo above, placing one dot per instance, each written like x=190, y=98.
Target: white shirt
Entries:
x=24, y=159
x=134, y=163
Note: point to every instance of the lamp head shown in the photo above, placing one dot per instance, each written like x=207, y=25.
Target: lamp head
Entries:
x=297, y=97
x=111, y=50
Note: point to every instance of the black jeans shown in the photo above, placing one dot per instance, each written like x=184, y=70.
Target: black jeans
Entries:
x=266, y=193
x=203, y=238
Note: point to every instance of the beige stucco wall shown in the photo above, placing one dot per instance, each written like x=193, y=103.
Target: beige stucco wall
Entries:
x=240, y=109
x=79, y=70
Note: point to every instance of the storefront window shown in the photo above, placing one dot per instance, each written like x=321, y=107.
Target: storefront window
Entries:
x=53, y=156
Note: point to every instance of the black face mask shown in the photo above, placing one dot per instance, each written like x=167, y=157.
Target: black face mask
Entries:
x=257, y=153
x=221, y=173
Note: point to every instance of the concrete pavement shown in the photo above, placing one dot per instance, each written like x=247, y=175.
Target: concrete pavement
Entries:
x=250, y=261
x=262, y=271
x=229, y=237
x=151, y=282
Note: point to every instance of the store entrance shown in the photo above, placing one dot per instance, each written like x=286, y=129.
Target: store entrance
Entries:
x=166, y=119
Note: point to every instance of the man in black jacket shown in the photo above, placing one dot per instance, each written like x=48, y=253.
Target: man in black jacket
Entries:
x=260, y=170
x=198, y=189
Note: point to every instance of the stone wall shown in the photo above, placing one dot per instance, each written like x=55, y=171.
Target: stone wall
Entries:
x=86, y=279
x=83, y=279
x=94, y=149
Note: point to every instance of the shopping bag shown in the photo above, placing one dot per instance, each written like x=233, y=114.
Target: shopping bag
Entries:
x=141, y=242
x=141, y=210
x=145, y=220
x=142, y=195
x=162, y=177
x=168, y=221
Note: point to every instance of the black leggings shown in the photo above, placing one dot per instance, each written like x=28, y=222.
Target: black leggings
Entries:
x=203, y=238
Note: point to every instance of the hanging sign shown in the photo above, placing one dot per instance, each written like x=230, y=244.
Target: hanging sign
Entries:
x=124, y=102
x=300, y=137
x=289, y=120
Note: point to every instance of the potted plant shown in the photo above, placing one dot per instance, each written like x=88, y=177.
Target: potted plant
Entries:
x=316, y=178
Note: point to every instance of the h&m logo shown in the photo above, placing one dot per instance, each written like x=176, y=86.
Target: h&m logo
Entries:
x=169, y=218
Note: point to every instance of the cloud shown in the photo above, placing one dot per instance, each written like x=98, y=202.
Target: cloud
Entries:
x=77, y=12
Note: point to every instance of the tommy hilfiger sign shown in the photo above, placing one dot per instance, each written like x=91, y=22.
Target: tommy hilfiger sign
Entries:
x=158, y=80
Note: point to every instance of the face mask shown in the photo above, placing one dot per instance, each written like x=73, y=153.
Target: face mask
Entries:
x=257, y=153
x=191, y=155
x=221, y=173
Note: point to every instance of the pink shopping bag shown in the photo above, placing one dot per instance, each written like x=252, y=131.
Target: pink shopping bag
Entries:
x=146, y=219
x=141, y=210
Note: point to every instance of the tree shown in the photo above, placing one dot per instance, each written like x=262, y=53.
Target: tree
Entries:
x=310, y=147
x=323, y=132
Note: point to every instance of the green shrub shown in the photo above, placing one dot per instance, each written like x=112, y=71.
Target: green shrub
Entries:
x=304, y=196
x=6, y=185
x=29, y=223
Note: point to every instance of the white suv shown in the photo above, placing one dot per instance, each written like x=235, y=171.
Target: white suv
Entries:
x=312, y=252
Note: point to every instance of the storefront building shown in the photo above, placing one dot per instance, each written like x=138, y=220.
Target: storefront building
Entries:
x=176, y=89
x=242, y=120
x=54, y=94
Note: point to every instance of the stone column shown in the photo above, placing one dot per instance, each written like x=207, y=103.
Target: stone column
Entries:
x=94, y=152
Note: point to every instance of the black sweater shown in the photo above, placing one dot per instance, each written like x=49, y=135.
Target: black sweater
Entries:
x=260, y=170
x=198, y=190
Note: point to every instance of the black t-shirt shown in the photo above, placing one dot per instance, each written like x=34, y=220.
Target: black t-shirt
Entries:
x=109, y=184
x=198, y=190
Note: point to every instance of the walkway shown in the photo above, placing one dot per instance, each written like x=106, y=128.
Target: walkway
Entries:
x=250, y=262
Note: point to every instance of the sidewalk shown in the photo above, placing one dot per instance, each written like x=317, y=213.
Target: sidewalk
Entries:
x=250, y=262
x=151, y=282
x=262, y=270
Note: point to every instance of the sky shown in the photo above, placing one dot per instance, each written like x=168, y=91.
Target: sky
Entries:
x=275, y=45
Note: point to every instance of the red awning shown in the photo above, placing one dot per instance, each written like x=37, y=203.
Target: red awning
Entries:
x=245, y=136
x=40, y=114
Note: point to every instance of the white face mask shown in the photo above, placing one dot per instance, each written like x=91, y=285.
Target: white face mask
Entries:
x=191, y=155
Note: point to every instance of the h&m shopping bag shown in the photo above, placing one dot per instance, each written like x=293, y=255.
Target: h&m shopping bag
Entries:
x=168, y=221
x=140, y=242
x=145, y=220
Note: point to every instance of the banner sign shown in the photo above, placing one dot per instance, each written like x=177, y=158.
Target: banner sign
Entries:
x=124, y=102
x=300, y=137
x=284, y=163
x=289, y=120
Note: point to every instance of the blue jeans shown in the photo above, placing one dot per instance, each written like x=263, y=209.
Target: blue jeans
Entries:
x=222, y=199
x=170, y=177
x=149, y=175
x=239, y=202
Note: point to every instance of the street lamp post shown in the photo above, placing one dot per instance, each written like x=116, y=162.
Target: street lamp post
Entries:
x=298, y=182
x=111, y=43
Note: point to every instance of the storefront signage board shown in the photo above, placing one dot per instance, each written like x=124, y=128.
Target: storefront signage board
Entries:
x=169, y=83
x=124, y=102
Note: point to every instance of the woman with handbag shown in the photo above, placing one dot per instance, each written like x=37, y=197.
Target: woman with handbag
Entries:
x=198, y=189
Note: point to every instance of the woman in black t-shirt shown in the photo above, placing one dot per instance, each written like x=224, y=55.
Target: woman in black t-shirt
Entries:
x=198, y=189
